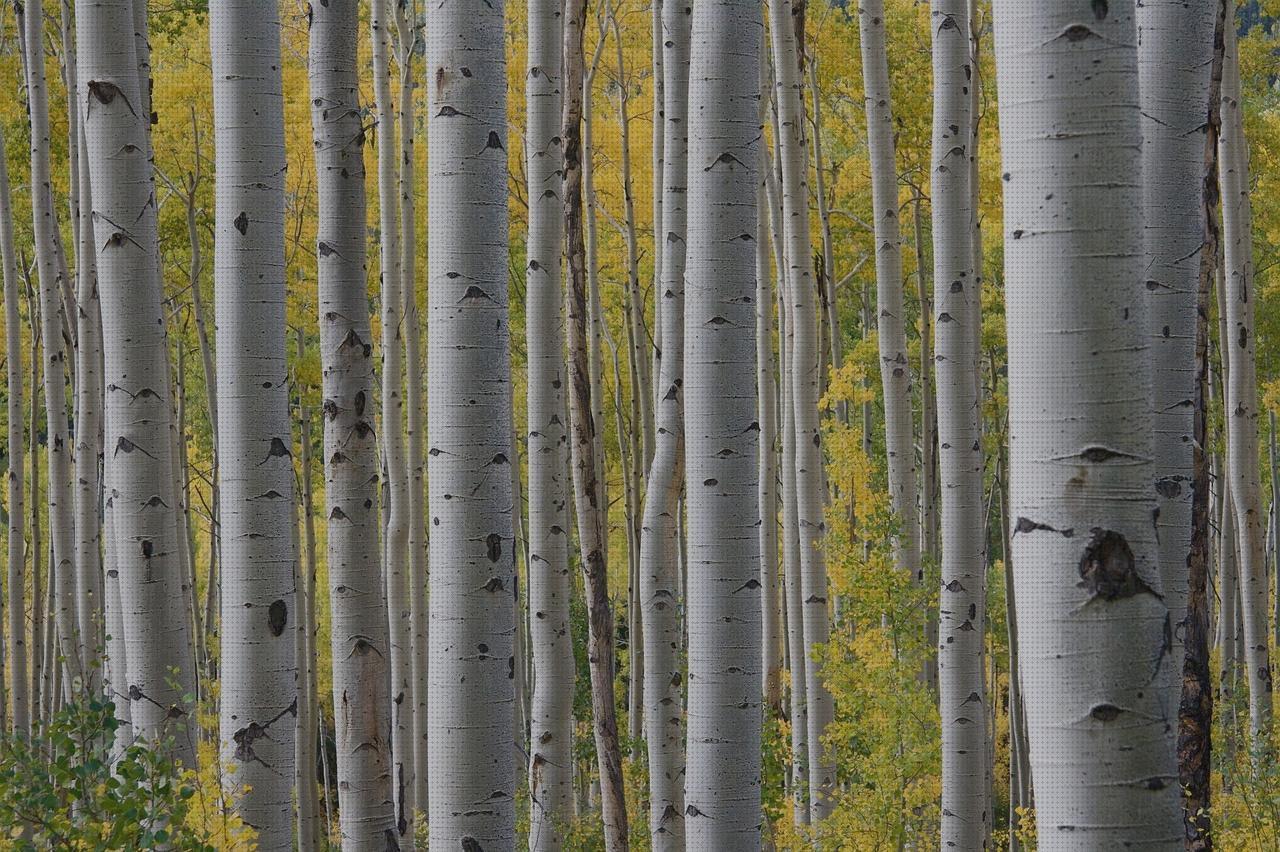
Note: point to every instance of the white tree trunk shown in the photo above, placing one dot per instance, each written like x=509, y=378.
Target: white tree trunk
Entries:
x=395, y=558
x=794, y=601
x=88, y=388
x=17, y=649
x=805, y=392
x=407, y=31
x=71, y=642
x=1093, y=625
x=138, y=411
x=962, y=596
x=361, y=683
x=469, y=424
x=659, y=545
x=722, y=784
x=550, y=583
x=259, y=667
x=1242, y=388
x=1175, y=67
x=895, y=370
x=771, y=597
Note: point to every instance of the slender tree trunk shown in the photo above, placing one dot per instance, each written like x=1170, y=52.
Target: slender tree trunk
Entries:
x=962, y=597
x=71, y=642
x=88, y=385
x=722, y=789
x=308, y=698
x=585, y=426
x=259, y=668
x=138, y=411
x=831, y=313
x=395, y=552
x=794, y=600
x=1242, y=390
x=659, y=546
x=805, y=392
x=550, y=583
x=406, y=12
x=361, y=683
x=1092, y=622
x=895, y=371
x=771, y=597
x=18, y=649
x=470, y=425
x=657, y=11
x=39, y=624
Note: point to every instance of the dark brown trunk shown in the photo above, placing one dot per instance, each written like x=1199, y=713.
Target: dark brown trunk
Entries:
x=1195, y=715
x=587, y=477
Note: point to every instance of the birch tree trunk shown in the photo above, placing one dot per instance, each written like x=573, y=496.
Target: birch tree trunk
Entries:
x=19, y=684
x=395, y=557
x=1242, y=390
x=138, y=411
x=71, y=642
x=550, y=583
x=659, y=545
x=585, y=424
x=722, y=786
x=359, y=621
x=1092, y=622
x=1175, y=66
x=259, y=678
x=962, y=596
x=469, y=423
x=895, y=371
x=805, y=392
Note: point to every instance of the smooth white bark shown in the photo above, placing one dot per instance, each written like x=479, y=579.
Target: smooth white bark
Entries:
x=469, y=422
x=1242, y=389
x=895, y=371
x=722, y=783
x=361, y=685
x=962, y=600
x=259, y=672
x=659, y=545
x=139, y=478
x=1092, y=622
x=550, y=583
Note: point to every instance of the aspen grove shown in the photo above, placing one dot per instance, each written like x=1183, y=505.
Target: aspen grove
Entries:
x=710, y=425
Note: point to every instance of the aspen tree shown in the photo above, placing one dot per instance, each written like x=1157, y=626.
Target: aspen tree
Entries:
x=1092, y=622
x=550, y=583
x=659, y=546
x=962, y=599
x=359, y=642
x=722, y=782
x=138, y=411
x=1241, y=396
x=259, y=672
x=469, y=425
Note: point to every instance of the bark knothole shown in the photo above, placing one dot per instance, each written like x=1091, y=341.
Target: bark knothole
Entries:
x=1108, y=570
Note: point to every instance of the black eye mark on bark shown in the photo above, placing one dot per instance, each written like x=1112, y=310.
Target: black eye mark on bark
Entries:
x=242, y=223
x=277, y=617
x=1100, y=9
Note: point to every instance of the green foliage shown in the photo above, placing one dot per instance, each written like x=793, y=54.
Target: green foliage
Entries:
x=65, y=789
